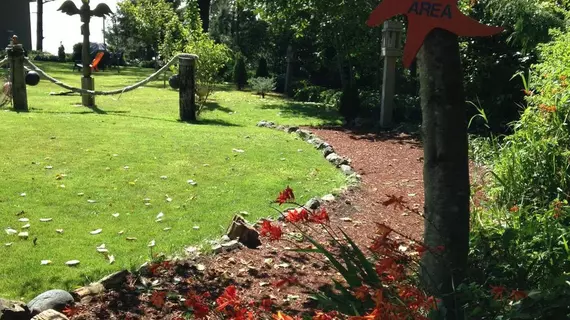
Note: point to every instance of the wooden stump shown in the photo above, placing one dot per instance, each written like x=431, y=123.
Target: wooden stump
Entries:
x=17, y=77
x=187, y=89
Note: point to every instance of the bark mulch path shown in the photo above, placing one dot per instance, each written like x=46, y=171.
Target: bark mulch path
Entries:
x=389, y=163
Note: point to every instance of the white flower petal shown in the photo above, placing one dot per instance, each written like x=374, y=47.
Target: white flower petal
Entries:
x=96, y=231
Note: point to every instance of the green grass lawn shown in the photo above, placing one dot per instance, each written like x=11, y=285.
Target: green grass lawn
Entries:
x=61, y=155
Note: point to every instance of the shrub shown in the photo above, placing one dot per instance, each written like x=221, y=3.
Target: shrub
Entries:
x=77, y=48
x=306, y=92
x=262, y=69
x=240, y=73
x=349, y=105
x=262, y=85
x=61, y=53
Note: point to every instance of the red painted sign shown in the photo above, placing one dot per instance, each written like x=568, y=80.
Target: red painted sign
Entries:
x=426, y=15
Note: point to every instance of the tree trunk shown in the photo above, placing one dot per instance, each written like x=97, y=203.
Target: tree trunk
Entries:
x=204, y=6
x=40, y=26
x=446, y=171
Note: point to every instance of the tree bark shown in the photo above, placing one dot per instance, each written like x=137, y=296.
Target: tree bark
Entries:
x=446, y=170
x=40, y=26
x=204, y=6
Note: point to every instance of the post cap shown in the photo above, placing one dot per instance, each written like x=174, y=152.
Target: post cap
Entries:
x=187, y=56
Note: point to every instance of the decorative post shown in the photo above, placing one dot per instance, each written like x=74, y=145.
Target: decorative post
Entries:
x=187, y=91
x=15, y=53
x=69, y=8
x=391, y=50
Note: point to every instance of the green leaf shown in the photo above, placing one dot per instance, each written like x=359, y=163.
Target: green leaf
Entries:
x=371, y=276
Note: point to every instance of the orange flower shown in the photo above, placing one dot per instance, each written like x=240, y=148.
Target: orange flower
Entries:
x=547, y=109
x=374, y=315
x=158, y=298
x=332, y=315
x=273, y=232
x=228, y=298
x=518, y=295
x=514, y=208
x=281, y=316
x=285, y=196
x=362, y=293
x=289, y=281
x=498, y=292
x=320, y=217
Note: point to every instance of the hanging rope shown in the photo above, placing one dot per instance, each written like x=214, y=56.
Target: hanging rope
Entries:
x=102, y=93
x=3, y=62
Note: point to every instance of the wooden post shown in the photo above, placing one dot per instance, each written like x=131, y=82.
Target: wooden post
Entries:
x=87, y=82
x=187, y=89
x=17, y=77
x=390, y=51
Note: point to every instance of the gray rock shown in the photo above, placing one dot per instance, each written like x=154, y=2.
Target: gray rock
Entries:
x=304, y=134
x=316, y=142
x=336, y=159
x=323, y=146
x=328, y=150
x=292, y=129
x=50, y=315
x=270, y=124
x=14, y=310
x=217, y=248
x=282, y=128
x=328, y=198
x=231, y=245
x=346, y=169
x=262, y=123
x=225, y=238
x=313, y=204
x=52, y=299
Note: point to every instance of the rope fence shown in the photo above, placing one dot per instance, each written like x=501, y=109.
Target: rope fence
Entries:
x=95, y=92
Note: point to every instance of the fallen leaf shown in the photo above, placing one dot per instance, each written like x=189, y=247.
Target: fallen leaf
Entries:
x=160, y=215
x=10, y=231
x=62, y=186
x=192, y=182
x=23, y=194
x=200, y=267
x=59, y=231
x=146, y=199
x=238, y=150
x=346, y=219
x=102, y=249
x=80, y=194
x=163, y=177
x=121, y=232
x=48, y=167
x=96, y=231
x=45, y=262
x=9, y=244
x=23, y=219
x=91, y=201
x=131, y=238
x=23, y=234
x=72, y=263
x=196, y=227
x=132, y=183
x=46, y=219
x=167, y=229
x=126, y=167
x=116, y=215
x=111, y=259
x=168, y=199
x=26, y=226
x=115, y=155
x=152, y=243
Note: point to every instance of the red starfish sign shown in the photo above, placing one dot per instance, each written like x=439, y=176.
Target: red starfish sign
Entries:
x=426, y=15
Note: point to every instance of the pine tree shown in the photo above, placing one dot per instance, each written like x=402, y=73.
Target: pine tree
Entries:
x=240, y=73
x=262, y=69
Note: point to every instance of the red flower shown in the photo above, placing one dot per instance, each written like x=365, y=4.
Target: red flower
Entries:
x=285, y=196
x=69, y=311
x=362, y=293
x=320, y=217
x=228, y=298
x=518, y=295
x=273, y=232
x=498, y=292
x=297, y=216
x=158, y=298
x=514, y=208
x=332, y=315
x=289, y=281
x=282, y=316
x=266, y=304
x=198, y=305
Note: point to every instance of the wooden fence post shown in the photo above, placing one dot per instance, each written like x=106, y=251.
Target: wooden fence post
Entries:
x=17, y=77
x=187, y=91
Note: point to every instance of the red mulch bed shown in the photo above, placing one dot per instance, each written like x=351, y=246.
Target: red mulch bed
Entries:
x=389, y=163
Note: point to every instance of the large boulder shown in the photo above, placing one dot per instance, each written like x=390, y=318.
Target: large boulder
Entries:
x=14, y=310
x=336, y=159
x=52, y=299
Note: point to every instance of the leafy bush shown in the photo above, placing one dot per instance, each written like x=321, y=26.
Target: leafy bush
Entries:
x=306, y=92
x=46, y=56
x=262, y=69
x=240, y=73
x=77, y=49
x=263, y=85
x=349, y=105
x=61, y=53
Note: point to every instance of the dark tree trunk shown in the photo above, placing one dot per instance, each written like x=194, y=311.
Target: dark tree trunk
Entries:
x=204, y=6
x=40, y=26
x=446, y=171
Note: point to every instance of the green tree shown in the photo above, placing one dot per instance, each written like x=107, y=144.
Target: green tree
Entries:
x=262, y=69
x=240, y=72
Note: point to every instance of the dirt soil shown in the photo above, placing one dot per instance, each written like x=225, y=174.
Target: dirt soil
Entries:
x=390, y=165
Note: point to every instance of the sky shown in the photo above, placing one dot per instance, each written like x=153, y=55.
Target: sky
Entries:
x=61, y=27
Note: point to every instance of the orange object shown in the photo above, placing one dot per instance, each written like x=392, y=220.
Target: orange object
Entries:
x=96, y=61
x=423, y=17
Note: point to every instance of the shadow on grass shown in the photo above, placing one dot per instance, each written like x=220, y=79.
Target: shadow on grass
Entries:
x=295, y=109
x=211, y=122
x=212, y=106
